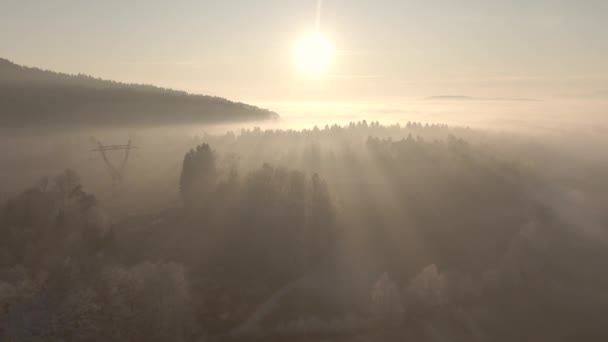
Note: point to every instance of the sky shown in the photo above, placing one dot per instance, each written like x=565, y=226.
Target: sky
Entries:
x=385, y=50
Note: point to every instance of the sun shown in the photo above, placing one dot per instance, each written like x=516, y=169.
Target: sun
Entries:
x=313, y=55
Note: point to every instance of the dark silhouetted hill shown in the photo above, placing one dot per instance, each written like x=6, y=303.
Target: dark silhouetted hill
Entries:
x=31, y=97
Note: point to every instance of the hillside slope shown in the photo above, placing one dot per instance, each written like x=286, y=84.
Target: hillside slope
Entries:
x=31, y=96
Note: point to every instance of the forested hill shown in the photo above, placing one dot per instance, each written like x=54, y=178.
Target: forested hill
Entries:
x=31, y=96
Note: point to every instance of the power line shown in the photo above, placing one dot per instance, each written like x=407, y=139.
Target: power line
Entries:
x=116, y=171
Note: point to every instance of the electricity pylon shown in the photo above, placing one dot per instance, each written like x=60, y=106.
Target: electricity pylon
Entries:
x=116, y=172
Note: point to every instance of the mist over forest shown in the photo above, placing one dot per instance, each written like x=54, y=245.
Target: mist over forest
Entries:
x=303, y=171
x=392, y=231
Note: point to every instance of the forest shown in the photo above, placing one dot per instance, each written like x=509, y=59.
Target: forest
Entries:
x=31, y=97
x=422, y=232
x=303, y=171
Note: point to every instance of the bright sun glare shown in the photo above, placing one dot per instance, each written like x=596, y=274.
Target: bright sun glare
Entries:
x=314, y=55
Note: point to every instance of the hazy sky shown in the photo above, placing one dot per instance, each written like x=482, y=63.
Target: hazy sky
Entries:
x=386, y=49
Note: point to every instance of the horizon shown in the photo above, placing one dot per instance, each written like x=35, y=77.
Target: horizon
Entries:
x=463, y=110
x=547, y=49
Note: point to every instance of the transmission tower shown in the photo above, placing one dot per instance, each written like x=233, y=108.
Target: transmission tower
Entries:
x=116, y=171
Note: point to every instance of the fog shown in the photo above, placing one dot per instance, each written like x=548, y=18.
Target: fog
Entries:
x=332, y=171
x=431, y=220
x=532, y=116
